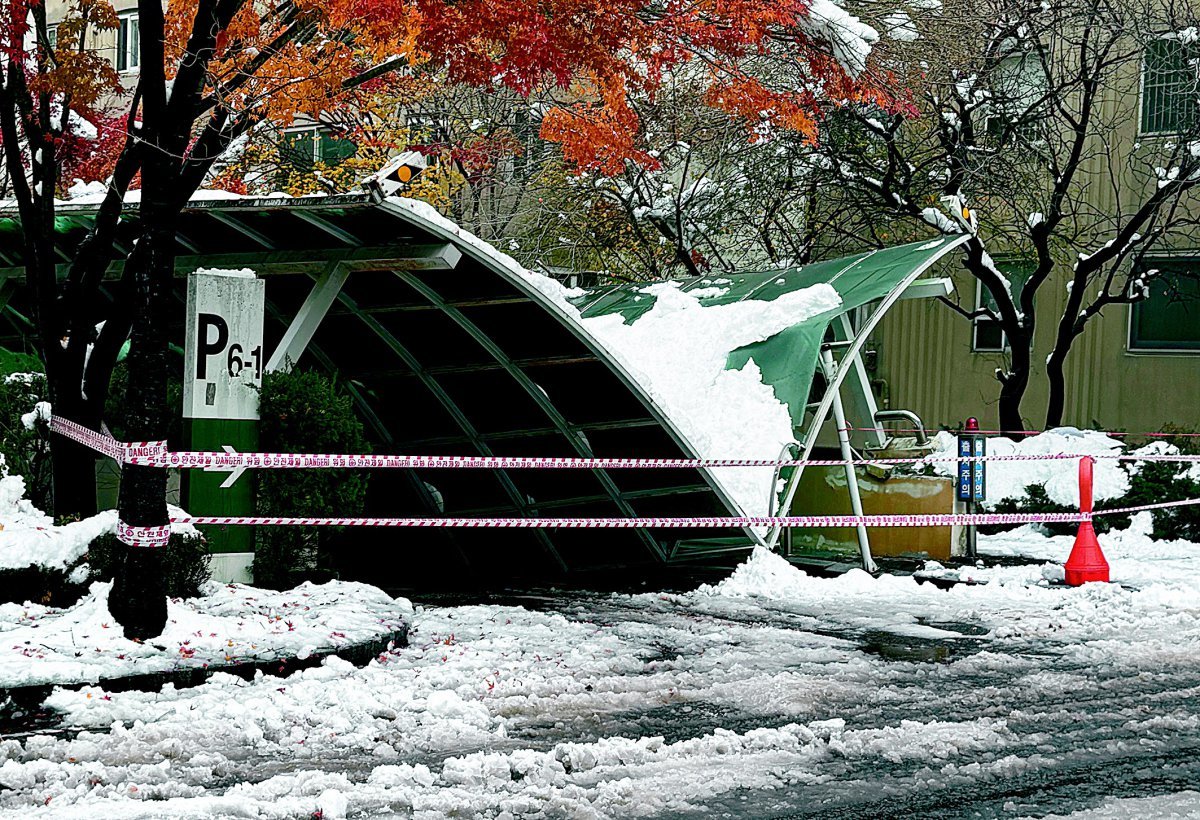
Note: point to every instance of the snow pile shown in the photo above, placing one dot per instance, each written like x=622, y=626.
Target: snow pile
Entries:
x=228, y=624
x=1134, y=557
x=30, y=538
x=1008, y=479
x=677, y=352
x=39, y=414
x=1180, y=805
x=769, y=575
x=1163, y=448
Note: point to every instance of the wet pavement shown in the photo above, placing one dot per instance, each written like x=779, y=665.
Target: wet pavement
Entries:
x=918, y=704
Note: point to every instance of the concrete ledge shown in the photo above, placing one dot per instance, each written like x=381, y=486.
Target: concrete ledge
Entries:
x=232, y=567
x=19, y=699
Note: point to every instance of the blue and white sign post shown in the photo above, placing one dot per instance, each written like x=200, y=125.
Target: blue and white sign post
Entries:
x=971, y=486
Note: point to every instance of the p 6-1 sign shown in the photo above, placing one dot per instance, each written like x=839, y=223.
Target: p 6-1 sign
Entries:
x=223, y=345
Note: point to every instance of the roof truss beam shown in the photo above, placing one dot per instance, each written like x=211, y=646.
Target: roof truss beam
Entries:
x=308, y=318
x=577, y=442
x=460, y=418
x=434, y=257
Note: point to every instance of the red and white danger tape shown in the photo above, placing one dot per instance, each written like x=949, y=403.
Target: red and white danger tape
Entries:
x=152, y=537
x=736, y=522
x=700, y=522
x=155, y=454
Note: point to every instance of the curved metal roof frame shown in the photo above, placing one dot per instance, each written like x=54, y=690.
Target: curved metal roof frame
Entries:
x=506, y=267
x=822, y=412
x=351, y=231
x=461, y=419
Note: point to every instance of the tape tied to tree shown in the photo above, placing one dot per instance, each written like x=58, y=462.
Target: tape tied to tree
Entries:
x=147, y=537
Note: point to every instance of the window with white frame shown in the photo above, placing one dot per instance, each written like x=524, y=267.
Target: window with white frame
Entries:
x=1018, y=89
x=128, y=42
x=52, y=36
x=1168, y=320
x=1169, y=86
x=305, y=147
x=987, y=334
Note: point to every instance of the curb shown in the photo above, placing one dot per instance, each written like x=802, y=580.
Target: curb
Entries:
x=30, y=697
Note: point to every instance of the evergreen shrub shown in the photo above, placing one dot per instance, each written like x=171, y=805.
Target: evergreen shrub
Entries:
x=185, y=563
x=1150, y=482
x=303, y=411
x=26, y=451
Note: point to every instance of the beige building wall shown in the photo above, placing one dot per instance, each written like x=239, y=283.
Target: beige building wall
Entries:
x=925, y=351
x=926, y=360
x=105, y=42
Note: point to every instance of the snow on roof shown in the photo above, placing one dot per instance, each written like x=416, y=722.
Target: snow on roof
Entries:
x=678, y=351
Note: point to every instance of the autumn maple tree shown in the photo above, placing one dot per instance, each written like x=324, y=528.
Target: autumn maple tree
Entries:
x=213, y=70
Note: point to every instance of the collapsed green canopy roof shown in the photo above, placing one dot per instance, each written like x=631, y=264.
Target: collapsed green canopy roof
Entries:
x=788, y=359
x=448, y=347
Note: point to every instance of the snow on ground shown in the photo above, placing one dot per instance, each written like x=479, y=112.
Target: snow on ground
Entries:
x=29, y=537
x=768, y=693
x=1179, y=805
x=1008, y=479
x=227, y=624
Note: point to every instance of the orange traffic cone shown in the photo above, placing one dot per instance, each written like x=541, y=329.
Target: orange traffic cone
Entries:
x=1086, y=562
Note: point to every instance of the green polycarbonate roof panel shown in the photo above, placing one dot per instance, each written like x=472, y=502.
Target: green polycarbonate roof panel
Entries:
x=788, y=359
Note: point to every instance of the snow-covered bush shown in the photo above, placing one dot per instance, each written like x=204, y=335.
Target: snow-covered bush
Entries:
x=1150, y=482
x=1155, y=481
x=304, y=412
x=185, y=563
x=24, y=435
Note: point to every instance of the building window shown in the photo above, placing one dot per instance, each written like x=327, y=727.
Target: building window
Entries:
x=1018, y=91
x=128, y=43
x=987, y=336
x=1169, y=319
x=303, y=148
x=1168, y=87
x=52, y=37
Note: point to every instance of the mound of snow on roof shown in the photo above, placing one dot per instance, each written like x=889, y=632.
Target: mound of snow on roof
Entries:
x=678, y=350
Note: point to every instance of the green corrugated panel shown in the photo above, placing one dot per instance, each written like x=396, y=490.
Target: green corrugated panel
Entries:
x=789, y=358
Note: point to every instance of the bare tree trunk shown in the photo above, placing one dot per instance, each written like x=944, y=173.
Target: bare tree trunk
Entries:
x=1012, y=390
x=1055, y=375
x=73, y=465
x=1058, y=392
x=138, y=597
